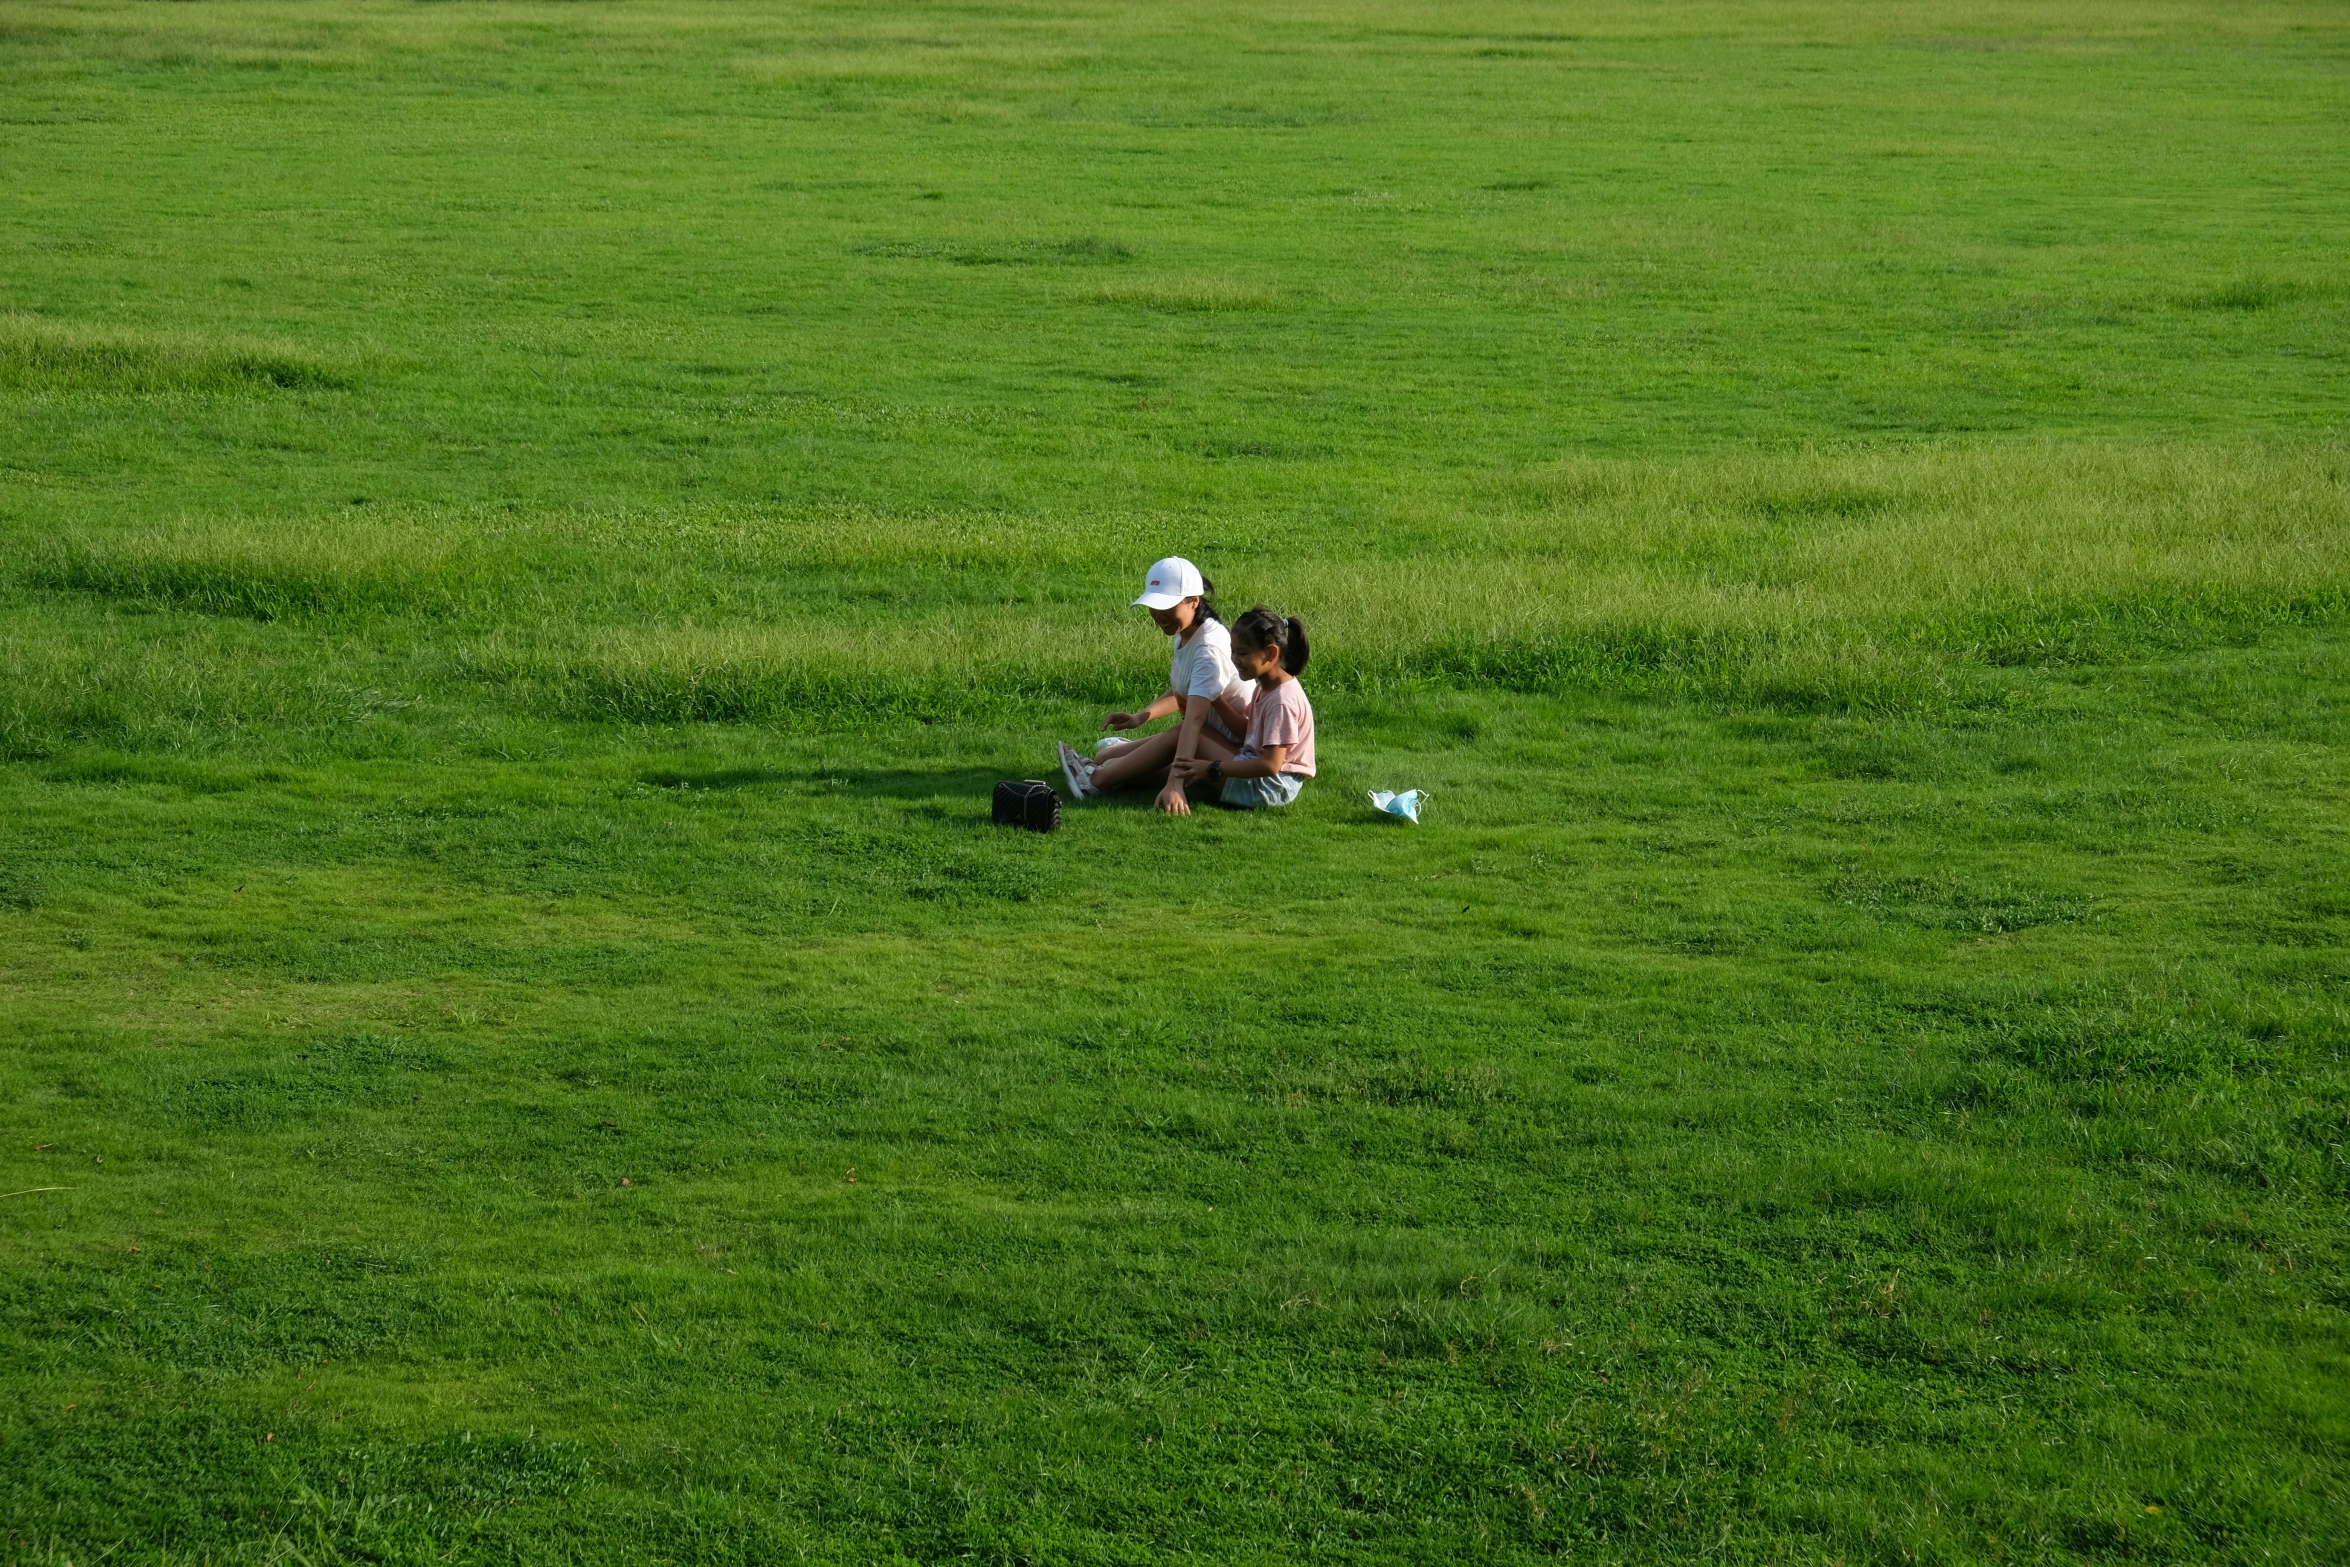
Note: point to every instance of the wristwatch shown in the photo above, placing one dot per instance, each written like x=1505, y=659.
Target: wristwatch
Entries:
x=1215, y=772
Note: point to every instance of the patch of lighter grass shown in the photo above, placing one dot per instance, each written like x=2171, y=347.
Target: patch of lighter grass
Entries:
x=68, y=676
x=41, y=354
x=1842, y=572
x=1182, y=295
x=1871, y=579
x=849, y=68
x=265, y=570
x=1886, y=536
x=931, y=664
x=892, y=62
x=2257, y=292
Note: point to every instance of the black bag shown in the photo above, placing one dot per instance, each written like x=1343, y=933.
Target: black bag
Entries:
x=1029, y=803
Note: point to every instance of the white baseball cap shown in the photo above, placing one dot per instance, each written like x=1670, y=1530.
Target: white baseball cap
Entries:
x=1170, y=582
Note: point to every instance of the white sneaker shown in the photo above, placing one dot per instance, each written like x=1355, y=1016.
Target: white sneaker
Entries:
x=1111, y=745
x=1079, y=774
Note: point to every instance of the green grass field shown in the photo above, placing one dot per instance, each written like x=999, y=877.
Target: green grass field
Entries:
x=528, y=531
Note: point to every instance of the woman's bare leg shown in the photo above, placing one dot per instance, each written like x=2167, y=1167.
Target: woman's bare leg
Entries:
x=1146, y=761
x=1215, y=748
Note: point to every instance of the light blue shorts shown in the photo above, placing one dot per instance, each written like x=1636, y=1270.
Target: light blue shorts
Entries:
x=1255, y=794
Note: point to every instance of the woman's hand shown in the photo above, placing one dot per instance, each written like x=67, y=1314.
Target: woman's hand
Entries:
x=1186, y=768
x=1173, y=800
x=1166, y=704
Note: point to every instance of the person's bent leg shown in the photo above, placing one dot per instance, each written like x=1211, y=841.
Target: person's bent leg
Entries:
x=1212, y=747
x=1145, y=761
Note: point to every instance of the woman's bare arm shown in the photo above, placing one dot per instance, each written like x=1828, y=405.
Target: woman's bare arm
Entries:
x=1265, y=764
x=1195, y=718
x=1160, y=708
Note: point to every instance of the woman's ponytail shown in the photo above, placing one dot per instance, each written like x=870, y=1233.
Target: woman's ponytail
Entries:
x=1260, y=627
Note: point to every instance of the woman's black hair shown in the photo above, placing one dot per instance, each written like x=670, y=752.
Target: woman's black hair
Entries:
x=1207, y=599
x=1260, y=627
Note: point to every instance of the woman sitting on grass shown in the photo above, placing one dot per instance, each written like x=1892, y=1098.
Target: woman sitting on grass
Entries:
x=1276, y=756
x=1199, y=678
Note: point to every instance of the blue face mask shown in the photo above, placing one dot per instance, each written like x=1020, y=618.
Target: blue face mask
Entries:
x=1405, y=805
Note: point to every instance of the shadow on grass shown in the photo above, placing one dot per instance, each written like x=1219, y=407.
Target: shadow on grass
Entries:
x=899, y=783
x=974, y=786
x=978, y=788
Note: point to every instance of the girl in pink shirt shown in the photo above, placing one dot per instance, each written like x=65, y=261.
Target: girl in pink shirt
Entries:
x=1276, y=756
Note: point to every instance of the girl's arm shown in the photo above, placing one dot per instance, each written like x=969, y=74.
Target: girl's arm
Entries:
x=1159, y=709
x=1264, y=764
x=1195, y=718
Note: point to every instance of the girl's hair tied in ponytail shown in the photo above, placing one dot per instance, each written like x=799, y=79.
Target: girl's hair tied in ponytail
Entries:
x=1260, y=627
x=1294, y=651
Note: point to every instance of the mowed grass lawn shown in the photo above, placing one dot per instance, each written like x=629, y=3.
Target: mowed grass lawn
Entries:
x=528, y=531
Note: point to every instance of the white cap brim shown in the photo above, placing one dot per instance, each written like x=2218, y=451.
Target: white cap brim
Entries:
x=1161, y=600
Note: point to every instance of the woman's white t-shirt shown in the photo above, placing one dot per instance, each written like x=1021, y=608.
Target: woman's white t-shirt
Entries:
x=1202, y=666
